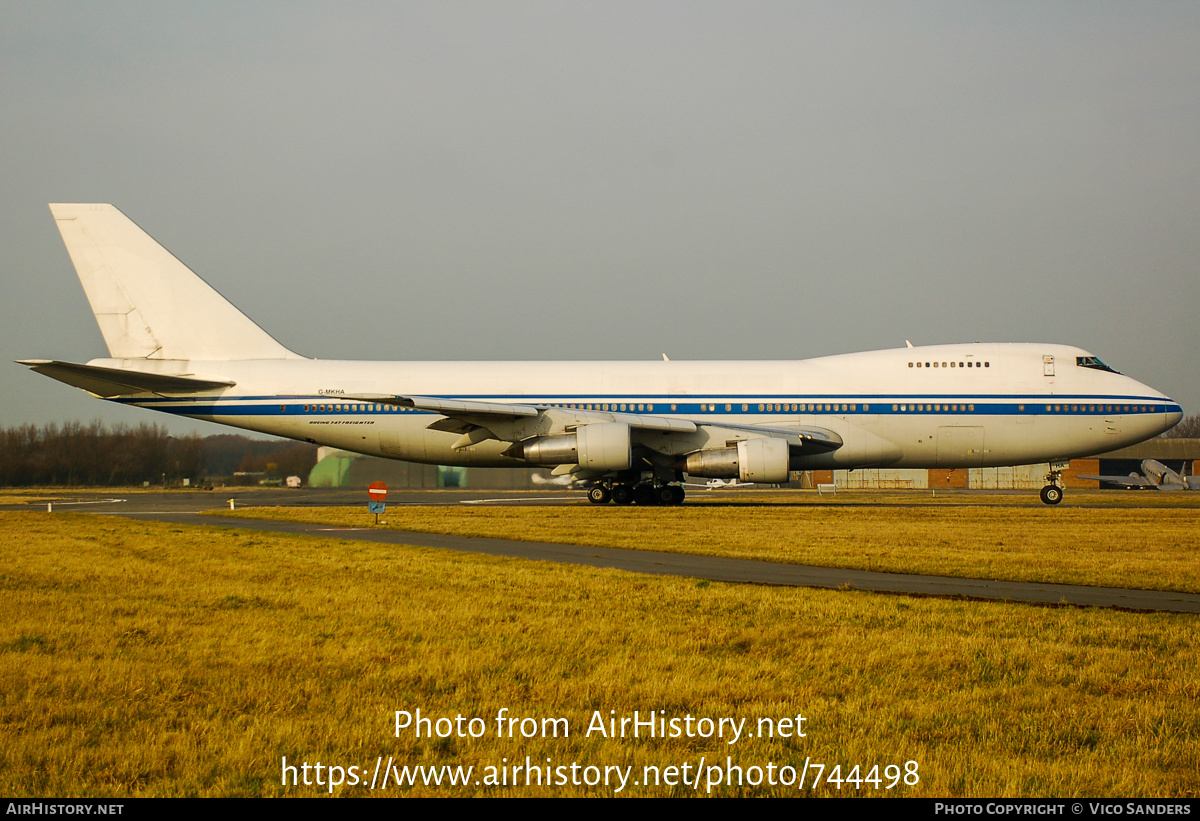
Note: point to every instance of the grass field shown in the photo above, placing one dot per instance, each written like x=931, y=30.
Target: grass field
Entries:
x=152, y=659
x=1156, y=548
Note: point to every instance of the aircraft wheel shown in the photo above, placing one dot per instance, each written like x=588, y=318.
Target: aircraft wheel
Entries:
x=622, y=495
x=663, y=495
x=676, y=494
x=645, y=495
x=1052, y=494
x=599, y=495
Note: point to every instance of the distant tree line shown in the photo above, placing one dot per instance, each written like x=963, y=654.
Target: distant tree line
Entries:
x=1188, y=428
x=75, y=454
x=227, y=454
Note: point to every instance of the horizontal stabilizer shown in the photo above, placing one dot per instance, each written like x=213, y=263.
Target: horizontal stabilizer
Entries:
x=113, y=382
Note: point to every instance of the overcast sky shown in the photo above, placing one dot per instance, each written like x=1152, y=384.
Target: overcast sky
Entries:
x=615, y=180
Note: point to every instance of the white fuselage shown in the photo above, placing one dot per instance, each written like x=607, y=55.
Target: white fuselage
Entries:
x=962, y=405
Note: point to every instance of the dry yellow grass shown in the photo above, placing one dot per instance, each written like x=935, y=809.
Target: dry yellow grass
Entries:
x=151, y=659
x=1118, y=547
x=11, y=497
x=934, y=497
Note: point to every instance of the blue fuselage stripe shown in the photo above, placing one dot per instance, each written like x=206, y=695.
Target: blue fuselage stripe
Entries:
x=725, y=405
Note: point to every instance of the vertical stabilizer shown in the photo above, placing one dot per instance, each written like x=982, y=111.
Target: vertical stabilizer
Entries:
x=149, y=305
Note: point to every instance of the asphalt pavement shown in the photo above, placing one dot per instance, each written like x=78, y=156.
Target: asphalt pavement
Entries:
x=185, y=507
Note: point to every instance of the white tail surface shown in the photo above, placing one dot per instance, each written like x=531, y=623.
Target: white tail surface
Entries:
x=149, y=305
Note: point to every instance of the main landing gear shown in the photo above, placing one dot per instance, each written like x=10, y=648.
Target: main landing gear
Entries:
x=645, y=493
x=1052, y=493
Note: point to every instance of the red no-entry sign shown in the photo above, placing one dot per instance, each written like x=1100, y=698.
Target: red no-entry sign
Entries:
x=377, y=491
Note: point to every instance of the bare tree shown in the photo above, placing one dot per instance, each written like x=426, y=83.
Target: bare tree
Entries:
x=78, y=454
x=1188, y=428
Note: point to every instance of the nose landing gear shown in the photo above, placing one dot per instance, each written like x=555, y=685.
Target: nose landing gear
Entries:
x=1052, y=493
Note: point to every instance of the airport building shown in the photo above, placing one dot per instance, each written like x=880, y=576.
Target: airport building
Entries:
x=339, y=468
x=1182, y=455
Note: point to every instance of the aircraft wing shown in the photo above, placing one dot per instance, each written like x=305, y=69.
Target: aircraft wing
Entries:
x=113, y=382
x=450, y=407
x=468, y=411
x=1132, y=480
x=477, y=421
x=808, y=438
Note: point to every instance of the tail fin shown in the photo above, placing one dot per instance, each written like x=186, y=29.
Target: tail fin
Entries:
x=149, y=305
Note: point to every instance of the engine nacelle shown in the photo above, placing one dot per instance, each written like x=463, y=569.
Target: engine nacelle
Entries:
x=753, y=460
x=602, y=446
x=763, y=460
x=605, y=446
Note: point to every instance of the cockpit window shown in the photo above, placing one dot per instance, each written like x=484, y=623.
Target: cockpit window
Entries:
x=1094, y=363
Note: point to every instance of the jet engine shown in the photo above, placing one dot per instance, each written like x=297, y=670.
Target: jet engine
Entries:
x=601, y=446
x=753, y=460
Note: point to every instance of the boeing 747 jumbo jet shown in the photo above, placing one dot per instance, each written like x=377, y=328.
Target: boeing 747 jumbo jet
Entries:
x=630, y=430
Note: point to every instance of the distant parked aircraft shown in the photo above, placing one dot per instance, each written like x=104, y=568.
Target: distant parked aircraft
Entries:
x=722, y=484
x=560, y=481
x=1154, y=475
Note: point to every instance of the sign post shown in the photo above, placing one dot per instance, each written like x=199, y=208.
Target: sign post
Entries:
x=378, y=492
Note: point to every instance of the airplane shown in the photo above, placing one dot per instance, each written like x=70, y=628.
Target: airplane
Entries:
x=722, y=484
x=630, y=431
x=1154, y=475
x=557, y=481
